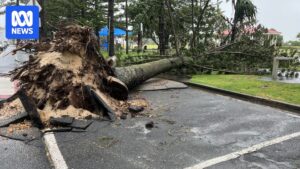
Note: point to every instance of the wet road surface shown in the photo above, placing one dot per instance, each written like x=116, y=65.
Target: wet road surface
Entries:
x=192, y=126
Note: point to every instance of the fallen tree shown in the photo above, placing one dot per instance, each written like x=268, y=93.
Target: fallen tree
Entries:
x=70, y=77
x=134, y=75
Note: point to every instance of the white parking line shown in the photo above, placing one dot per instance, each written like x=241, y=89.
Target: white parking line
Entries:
x=237, y=154
x=54, y=152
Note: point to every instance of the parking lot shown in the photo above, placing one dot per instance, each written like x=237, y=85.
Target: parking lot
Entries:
x=192, y=129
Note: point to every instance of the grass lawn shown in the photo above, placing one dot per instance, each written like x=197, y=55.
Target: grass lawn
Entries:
x=252, y=85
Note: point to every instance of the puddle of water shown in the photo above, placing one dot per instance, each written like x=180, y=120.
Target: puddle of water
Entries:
x=283, y=80
x=140, y=126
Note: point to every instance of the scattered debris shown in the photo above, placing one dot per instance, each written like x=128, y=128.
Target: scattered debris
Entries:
x=21, y=132
x=19, y=127
x=123, y=116
x=138, y=102
x=135, y=109
x=13, y=119
x=136, y=106
x=10, y=109
x=58, y=129
x=81, y=124
x=149, y=125
x=61, y=121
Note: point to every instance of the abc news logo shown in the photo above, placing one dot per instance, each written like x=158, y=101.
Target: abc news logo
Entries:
x=22, y=22
x=17, y=21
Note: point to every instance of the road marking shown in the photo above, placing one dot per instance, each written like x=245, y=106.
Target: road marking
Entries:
x=54, y=152
x=237, y=154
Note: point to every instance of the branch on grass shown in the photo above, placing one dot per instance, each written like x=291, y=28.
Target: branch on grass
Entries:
x=213, y=69
x=229, y=52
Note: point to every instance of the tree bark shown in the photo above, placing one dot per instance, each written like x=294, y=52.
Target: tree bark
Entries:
x=126, y=13
x=134, y=75
x=97, y=27
x=233, y=31
x=161, y=35
x=140, y=40
x=193, y=27
x=111, y=28
x=235, y=22
x=200, y=18
x=173, y=27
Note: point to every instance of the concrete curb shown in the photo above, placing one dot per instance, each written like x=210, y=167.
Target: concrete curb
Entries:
x=254, y=99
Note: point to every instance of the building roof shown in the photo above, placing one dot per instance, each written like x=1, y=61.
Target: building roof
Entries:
x=271, y=31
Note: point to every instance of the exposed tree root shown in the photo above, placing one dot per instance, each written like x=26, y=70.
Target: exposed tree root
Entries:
x=56, y=75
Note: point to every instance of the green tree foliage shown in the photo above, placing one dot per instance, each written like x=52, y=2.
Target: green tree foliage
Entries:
x=244, y=12
x=250, y=52
x=153, y=15
x=196, y=25
x=84, y=12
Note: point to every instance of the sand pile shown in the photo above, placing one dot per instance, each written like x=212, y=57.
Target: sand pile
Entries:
x=56, y=77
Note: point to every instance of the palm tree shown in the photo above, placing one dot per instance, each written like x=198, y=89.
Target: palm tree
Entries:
x=243, y=10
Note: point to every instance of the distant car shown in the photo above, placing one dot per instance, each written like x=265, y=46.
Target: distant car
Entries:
x=3, y=45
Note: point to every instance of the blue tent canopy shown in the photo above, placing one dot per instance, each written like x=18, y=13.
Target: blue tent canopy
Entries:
x=117, y=32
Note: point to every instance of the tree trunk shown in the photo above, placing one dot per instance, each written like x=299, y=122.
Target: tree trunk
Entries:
x=140, y=40
x=199, y=20
x=42, y=16
x=111, y=28
x=82, y=9
x=235, y=22
x=173, y=27
x=233, y=31
x=193, y=26
x=97, y=27
x=134, y=75
x=161, y=35
x=126, y=13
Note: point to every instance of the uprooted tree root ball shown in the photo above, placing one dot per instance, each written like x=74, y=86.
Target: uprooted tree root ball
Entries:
x=55, y=77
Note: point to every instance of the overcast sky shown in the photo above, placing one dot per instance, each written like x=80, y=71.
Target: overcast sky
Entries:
x=283, y=15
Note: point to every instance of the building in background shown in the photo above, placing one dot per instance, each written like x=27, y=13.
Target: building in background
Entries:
x=274, y=37
x=271, y=36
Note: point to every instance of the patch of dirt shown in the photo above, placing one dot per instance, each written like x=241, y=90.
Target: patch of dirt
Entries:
x=70, y=111
x=139, y=102
x=19, y=127
x=10, y=109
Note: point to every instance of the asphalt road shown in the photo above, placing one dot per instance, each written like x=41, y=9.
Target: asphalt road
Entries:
x=192, y=126
x=17, y=154
x=8, y=61
x=21, y=155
